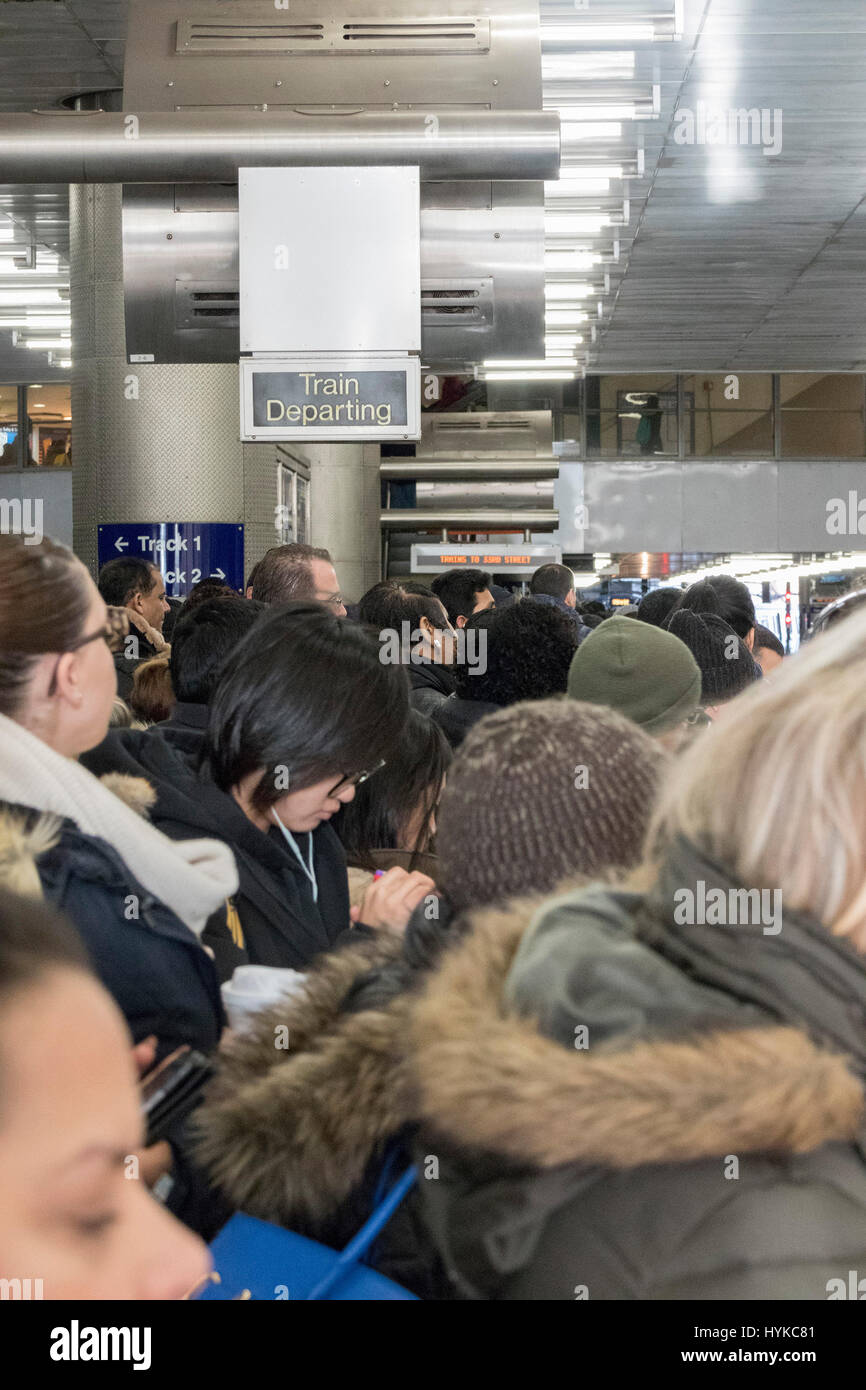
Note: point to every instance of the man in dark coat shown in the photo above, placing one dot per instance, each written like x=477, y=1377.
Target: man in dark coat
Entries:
x=134, y=584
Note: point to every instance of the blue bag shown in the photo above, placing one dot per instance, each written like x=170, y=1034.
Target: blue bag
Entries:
x=255, y=1259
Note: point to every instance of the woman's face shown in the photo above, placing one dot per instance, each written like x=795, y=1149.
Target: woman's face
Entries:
x=73, y=1212
x=306, y=809
x=83, y=684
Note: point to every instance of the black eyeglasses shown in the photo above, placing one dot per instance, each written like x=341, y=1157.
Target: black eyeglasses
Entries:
x=358, y=778
x=113, y=632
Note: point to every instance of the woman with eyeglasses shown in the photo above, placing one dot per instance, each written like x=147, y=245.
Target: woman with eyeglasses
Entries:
x=139, y=901
x=303, y=713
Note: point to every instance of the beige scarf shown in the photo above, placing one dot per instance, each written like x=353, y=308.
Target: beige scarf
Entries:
x=192, y=877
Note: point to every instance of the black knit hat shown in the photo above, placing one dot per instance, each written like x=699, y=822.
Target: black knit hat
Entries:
x=727, y=665
x=540, y=792
x=655, y=607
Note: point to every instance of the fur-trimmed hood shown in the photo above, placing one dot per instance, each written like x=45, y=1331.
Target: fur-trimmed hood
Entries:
x=26, y=835
x=288, y=1133
x=489, y=1080
x=292, y=1119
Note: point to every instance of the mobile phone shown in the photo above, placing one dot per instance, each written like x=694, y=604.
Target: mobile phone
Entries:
x=172, y=1089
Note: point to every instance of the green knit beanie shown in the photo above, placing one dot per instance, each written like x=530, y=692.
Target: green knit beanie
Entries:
x=645, y=673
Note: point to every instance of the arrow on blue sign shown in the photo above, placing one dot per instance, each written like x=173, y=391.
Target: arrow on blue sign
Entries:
x=183, y=552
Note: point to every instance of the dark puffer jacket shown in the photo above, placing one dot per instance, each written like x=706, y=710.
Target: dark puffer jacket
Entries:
x=702, y=1139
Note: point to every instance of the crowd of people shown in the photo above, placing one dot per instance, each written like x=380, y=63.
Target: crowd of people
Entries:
x=572, y=906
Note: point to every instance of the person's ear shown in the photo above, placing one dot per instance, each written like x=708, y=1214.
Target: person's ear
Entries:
x=427, y=627
x=135, y=602
x=461, y=621
x=750, y=639
x=69, y=681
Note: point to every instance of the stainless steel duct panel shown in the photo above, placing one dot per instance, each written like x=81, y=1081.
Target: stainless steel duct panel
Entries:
x=440, y=65
x=210, y=146
x=486, y=434
x=480, y=522
x=495, y=469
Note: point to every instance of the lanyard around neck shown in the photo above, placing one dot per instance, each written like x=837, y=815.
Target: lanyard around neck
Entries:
x=292, y=843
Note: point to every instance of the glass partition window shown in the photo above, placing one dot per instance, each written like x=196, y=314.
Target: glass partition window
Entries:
x=8, y=425
x=729, y=415
x=631, y=416
x=822, y=415
x=49, y=424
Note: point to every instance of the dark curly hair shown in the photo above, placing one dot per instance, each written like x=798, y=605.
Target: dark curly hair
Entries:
x=529, y=651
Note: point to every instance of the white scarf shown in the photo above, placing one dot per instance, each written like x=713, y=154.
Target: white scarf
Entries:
x=192, y=877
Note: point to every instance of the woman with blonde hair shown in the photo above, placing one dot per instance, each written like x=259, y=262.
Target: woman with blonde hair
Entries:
x=656, y=1092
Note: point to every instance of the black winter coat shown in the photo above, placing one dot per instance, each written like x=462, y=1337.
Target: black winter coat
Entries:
x=456, y=716
x=162, y=979
x=280, y=922
x=429, y=686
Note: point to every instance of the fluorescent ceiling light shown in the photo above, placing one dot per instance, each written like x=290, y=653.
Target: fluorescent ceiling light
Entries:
x=570, y=260
x=561, y=342
x=40, y=344
x=627, y=32
x=537, y=365
x=47, y=322
x=25, y=299
x=572, y=117
x=579, y=173
x=576, y=188
x=564, y=318
x=568, y=290
x=570, y=67
x=592, y=130
x=546, y=375
x=574, y=224
x=583, y=579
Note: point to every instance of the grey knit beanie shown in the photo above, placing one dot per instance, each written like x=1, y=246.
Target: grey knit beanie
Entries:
x=540, y=792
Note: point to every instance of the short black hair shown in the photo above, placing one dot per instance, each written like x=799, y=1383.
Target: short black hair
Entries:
x=121, y=579
x=458, y=590
x=530, y=647
x=764, y=638
x=204, y=638
x=657, y=605
x=724, y=596
x=555, y=580
x=385, y=607
x=383, y=807
x=305, y=692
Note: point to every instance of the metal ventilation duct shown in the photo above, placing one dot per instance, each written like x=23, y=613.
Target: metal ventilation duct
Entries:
x=440, y=65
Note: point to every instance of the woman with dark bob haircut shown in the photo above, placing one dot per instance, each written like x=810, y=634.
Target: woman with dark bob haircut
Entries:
x=392, y=819
x=304, y=712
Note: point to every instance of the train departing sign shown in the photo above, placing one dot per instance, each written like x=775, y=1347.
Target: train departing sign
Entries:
x=361, y=398
x=521, y=560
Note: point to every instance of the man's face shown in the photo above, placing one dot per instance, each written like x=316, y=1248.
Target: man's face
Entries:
x=768, y=660
x=327, y=586
x=154, y=606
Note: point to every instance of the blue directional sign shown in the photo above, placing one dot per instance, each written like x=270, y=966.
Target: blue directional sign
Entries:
x=183, y=551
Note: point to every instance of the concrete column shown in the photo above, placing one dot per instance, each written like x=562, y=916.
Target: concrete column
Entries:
x=152, y=443
x=162, y=443
x=344, y=511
